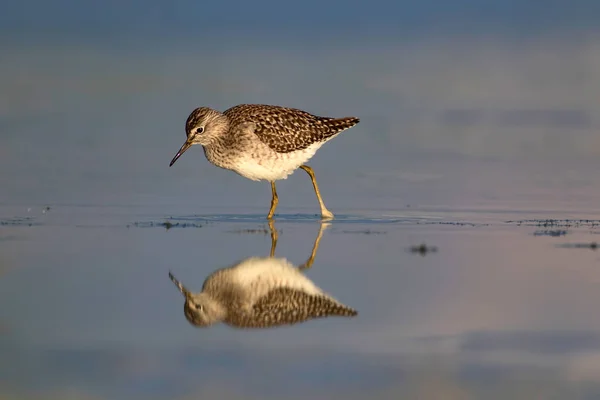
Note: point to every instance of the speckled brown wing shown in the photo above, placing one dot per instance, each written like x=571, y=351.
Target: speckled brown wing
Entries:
x=286, y=306
x=288, y=129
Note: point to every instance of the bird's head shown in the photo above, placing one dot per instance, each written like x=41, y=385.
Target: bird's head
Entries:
x=203, y=126
x=200, y=309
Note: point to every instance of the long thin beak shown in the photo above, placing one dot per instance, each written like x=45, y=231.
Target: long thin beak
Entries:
x=186, y=145
x=181, y=288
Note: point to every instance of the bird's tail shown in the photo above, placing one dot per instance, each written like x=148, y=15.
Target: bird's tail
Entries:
x=323, y=306
x=341, y=310
x=337, y=125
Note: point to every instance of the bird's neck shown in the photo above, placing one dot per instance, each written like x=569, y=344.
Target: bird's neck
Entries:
x=225, y=141
x=218, y=311
x=214, y=307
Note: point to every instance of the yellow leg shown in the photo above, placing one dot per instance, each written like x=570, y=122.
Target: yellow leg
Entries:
x=325, y=213
x=274, y=201
x=315, y=248
x=274, y=237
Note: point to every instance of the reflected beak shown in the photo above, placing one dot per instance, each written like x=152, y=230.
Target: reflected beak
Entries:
x=186, y=293
x=186, y=145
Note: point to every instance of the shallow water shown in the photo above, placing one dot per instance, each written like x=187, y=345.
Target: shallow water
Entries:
x=500, y=310
x=488, y=160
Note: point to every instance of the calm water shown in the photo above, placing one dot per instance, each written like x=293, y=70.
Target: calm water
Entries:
x=464, y=146
x=498, y=311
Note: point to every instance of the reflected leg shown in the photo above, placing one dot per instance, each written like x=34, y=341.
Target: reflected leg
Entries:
x=315, y=248
x=274, y=237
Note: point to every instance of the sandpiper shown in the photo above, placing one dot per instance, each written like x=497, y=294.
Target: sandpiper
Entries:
x=263, y=142
x=261, y=292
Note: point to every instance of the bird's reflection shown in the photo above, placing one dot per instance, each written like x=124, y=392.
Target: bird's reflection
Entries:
x=261, y=292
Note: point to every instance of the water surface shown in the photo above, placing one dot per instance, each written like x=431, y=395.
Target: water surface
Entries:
x=483, y=149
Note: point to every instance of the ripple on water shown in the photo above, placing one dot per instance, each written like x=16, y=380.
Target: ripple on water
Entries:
x=199, y=221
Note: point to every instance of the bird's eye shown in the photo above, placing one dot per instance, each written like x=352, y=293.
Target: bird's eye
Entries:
x=200, y=129
x=198, y=307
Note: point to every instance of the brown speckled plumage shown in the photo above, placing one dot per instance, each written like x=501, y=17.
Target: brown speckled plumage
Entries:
x=286, y=129
x=262, y=142
x=259, y=293
x=285, y=306
x=236, y=135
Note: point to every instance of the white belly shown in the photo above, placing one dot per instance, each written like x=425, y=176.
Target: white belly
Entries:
x=259, y=275
x=273, y=166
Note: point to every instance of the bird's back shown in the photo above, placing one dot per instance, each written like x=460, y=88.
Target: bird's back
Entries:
x=262, y=292
x=287, y=306
x=286, y=129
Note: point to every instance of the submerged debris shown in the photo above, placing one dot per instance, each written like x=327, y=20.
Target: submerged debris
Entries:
x=18, y=221
x=423, y=249
x=259, y=231
x=591, y=246
x=550, y=232
x=167, y=225
x=366, y=232
x=558, y=223
x=452, y=223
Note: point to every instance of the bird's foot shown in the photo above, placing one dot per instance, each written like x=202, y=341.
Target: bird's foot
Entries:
x=326, y=214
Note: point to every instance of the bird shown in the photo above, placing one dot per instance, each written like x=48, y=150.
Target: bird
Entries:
x=260, y=292
x=263, y=142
